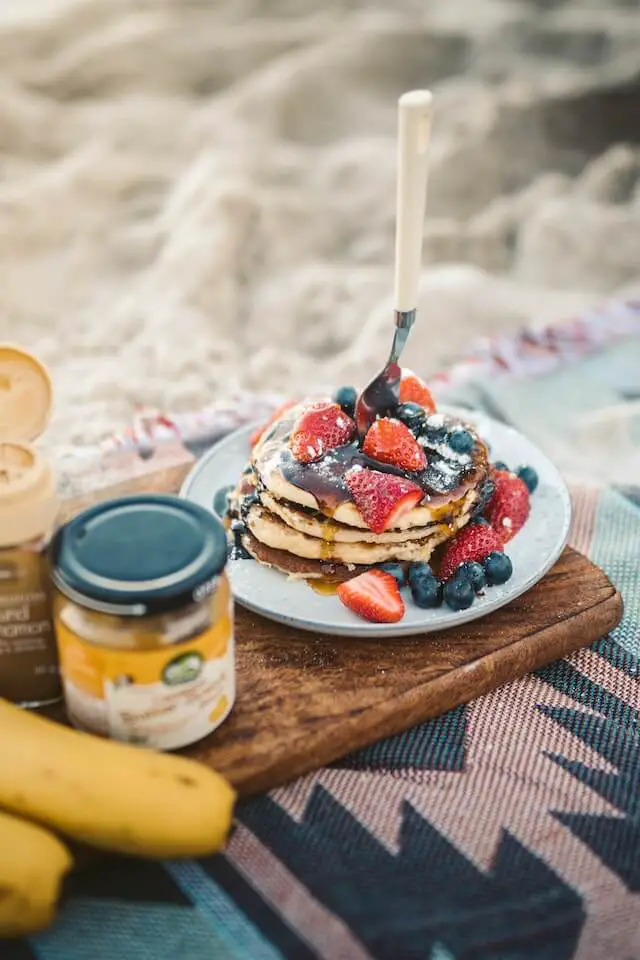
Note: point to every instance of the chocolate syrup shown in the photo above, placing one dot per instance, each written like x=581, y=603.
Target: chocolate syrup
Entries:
x=238, y=551
x=325, y=479
x=248, y=502
x=444, y=481
x=235, y=521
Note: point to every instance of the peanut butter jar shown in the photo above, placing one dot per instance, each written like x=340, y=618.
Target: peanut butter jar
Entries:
x=28, y=507
x=144, y=621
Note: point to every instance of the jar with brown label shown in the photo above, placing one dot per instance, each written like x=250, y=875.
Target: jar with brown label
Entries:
x=29, y=673
x=144, y=621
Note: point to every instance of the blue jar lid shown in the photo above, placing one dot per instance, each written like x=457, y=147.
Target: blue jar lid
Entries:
x=139, y=555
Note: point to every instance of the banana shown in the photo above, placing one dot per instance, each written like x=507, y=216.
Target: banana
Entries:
x=108, y=794
x=32, y=866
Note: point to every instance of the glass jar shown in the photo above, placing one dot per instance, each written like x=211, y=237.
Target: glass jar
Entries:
x=144, y=621
x=28, y=507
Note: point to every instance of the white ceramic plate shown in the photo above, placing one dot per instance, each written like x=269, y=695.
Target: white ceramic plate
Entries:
x=533, y=551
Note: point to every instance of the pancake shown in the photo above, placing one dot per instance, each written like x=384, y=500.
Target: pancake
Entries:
x=297, y=568
x=301, y=519
x=316, y=524
x=274, y=532
x=321, y=487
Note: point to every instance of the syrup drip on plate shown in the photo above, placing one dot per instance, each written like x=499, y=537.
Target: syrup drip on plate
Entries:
x=328, y=588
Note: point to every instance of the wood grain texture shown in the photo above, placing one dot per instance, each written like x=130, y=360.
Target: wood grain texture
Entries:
x=306, y=700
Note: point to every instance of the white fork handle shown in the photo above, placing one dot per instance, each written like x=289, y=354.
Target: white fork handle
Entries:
x=414, y=133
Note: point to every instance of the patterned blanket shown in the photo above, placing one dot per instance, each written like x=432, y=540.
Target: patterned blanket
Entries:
x=507, y=829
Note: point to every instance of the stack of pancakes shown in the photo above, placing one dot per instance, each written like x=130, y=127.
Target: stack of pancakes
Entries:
x=301, y=519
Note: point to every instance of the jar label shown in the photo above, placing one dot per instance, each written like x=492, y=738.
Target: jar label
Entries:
x=28, y=656
x=163, y=698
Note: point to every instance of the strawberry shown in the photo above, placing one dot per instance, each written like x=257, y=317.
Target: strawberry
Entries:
x=413, y=390
x=258, y=433
x=321, y=427
x=474, y=542
x=390, y=441
x=373, y=595
x=508, y=509
x=381, y=498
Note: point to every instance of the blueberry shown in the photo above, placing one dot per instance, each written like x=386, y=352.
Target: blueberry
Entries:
x=497, y=567
x=458, y=593
x=480, y=521
x=411, y=414
x=474, y=573
x=461, y=441
x=221, y=501
x=346, y=397
x=426, y=589
x=418, y=569
x=396, y=570
x=530, y=477
x=499, y=465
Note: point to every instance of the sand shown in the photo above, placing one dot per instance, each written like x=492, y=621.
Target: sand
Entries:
x=196, y=196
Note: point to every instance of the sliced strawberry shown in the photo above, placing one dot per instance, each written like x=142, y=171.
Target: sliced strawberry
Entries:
x=257, y=434
x=373, y=595
x=508, y=509
x=381, y=498
x=390, y=441
x=474, y=542
x=414, y=390
x=321, y=427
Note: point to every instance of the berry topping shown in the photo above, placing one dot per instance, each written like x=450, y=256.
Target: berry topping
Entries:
x=381, y=498
x=426, y=589
x=461, y=441
x=498, y=568
x=346, y=398
x=417, y=569
x=508, y=508
x=396, y=570
x=458, y=593
x=221, y=501
x=321, y=427
x=412, y=414
x=260, y=431
x=485, y=493
x=390, y=441
x=414, y=390
x=373, y=595
x=237, y=549
x=474, y=573
x=441, y=476
x=529, y=476
x=474, y=542
x=499, y=465
x=435, y=428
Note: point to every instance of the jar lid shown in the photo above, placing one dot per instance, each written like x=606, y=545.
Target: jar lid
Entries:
x=25, y=395
x=139, y=555
x=28, y=499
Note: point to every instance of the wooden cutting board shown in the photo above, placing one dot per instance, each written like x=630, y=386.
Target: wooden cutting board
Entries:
x=305, y=700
